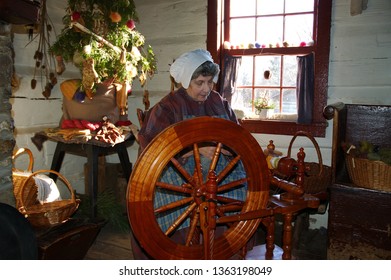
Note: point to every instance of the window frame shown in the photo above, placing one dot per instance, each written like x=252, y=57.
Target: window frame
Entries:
x=215, y=41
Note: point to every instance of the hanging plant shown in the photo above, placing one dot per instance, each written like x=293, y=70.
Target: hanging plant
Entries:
x=101, y=35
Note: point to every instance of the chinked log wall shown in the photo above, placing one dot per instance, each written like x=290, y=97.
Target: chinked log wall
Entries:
x=7, y=141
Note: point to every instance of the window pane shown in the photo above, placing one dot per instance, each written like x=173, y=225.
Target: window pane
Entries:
x=272, y=64
x=298, y=29
x=275, y=99
x=294, y=6
x=290, y=71
x=242, y=99
x=237, y=36
x=238, y=8
x=245, y=75
x=261, y=94
x=289, y=101
x=267, y=7
x=269, y=30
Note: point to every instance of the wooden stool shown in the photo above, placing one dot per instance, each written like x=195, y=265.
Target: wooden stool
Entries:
x=92, y=152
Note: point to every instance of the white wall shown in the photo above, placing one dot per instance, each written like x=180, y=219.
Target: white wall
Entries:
x=360, y=61
x=360, y=71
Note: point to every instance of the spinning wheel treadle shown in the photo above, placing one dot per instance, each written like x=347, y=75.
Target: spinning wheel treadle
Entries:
x=219, y=227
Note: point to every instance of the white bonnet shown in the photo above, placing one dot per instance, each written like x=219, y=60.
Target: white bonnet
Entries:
x=184, y=66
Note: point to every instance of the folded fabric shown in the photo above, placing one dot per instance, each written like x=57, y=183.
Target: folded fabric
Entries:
x=81, y=124
x=47, y=189
x=84, y=124
x=123, y=123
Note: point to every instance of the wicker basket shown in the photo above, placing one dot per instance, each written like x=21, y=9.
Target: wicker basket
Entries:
x=370, y=174
x=318, y=175
x=51, y=213
x=20, y=176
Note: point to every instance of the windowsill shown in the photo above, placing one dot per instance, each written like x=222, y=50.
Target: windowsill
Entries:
x=283, y=117
x=269, y=126
x=244, y=115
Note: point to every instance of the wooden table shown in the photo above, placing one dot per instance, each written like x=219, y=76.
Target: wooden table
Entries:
x=91, y=149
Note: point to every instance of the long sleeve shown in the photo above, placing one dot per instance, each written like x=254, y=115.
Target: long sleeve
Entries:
x=178, y=106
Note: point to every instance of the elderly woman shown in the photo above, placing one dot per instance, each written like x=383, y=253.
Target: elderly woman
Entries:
x=196, y=74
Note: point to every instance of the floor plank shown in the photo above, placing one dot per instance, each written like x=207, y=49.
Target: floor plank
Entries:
x=115, y=244
x=111, y=244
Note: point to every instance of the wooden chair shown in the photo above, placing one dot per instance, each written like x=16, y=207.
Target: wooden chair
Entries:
x=219, y=227
x=140, y=116
x=140, y=112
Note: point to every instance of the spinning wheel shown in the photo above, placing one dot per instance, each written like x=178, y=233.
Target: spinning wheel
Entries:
x=218, y=226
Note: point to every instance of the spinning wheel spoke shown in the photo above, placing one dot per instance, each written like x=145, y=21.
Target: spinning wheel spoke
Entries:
x=183, y=172
x=193, y=230
x=228, y=205
x=229, y=208
x=175, y=188
x=180, y=219
x=228, y=168
x=231, y=185
x=173, y=205
x=228, y=200
x=216, y=156
x=198, y=165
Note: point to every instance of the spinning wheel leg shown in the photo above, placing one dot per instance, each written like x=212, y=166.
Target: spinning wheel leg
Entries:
x=287, y=236
x=270, y=229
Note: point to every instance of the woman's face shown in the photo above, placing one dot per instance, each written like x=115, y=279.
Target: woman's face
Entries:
x=200, y=88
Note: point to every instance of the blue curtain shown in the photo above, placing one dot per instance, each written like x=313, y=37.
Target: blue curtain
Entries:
x=305, y=88
x=229, y=76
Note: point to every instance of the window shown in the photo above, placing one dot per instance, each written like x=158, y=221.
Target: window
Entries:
x=268, y=35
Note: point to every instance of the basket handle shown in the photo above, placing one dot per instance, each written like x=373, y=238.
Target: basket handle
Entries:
x=309, y=136
x=22, y=202
x=22, y=151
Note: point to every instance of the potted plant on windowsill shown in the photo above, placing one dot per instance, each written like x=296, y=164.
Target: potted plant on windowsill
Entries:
x=101, y=39
x=263, y=106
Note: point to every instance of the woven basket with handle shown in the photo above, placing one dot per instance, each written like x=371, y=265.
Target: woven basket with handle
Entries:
x=51, y=213
x=370, y=174
x=318, y=175
x=20, y=176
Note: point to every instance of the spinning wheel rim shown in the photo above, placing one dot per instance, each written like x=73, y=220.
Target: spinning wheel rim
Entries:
x=155, y=157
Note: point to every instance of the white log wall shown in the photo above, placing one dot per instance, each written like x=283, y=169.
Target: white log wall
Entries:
x=360, y=72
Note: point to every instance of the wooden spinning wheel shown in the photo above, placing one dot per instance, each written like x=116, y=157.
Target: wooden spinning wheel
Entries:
x=218, y=226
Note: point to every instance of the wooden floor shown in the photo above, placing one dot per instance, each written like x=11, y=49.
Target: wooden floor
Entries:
x=111, y=244
x=115, y=244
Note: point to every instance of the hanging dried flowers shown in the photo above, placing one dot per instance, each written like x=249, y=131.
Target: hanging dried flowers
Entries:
x=44, y=61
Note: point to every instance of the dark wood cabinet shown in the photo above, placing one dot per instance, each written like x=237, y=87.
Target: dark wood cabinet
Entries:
x=359, y=220
x=359, y=223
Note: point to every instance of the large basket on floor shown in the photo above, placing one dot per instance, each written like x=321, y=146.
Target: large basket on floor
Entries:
x=370, y=174
x=51, y=213
x=317, y=175
x=19, y=177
